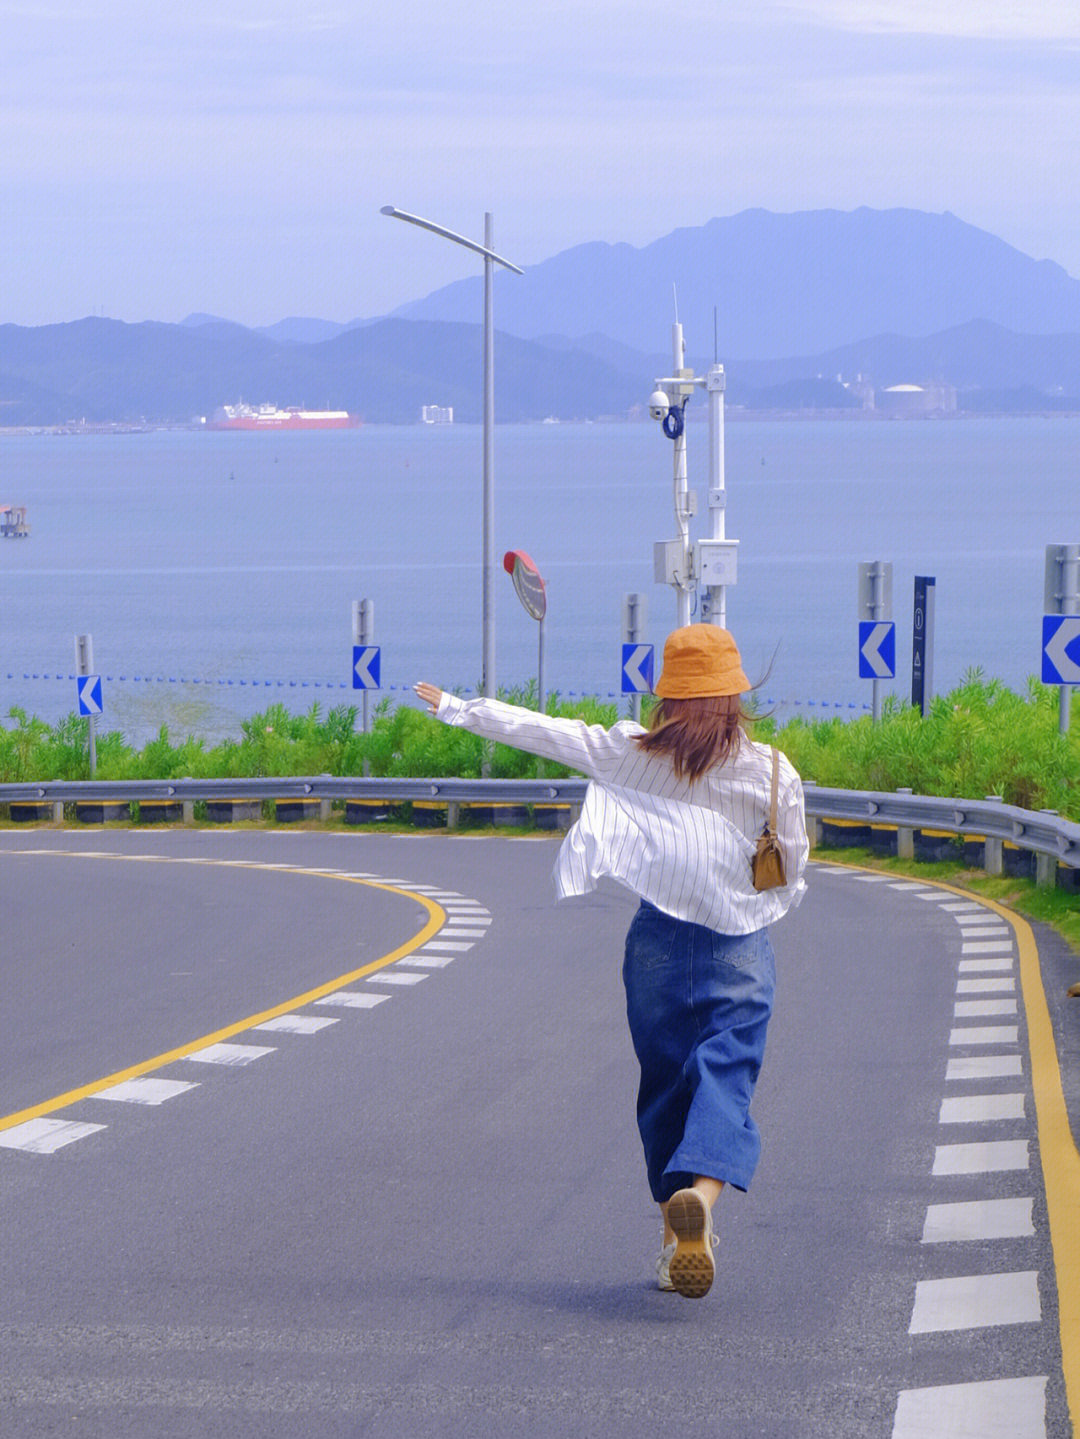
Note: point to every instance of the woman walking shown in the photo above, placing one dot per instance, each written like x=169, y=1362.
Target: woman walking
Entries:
x=675, y=813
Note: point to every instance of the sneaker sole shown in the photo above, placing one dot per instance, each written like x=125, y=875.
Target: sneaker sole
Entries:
x=692, y=1267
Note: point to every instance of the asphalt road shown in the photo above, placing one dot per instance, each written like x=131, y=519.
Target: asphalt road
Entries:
x=429, y=1217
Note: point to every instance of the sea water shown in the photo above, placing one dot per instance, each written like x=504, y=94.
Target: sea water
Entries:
x=216, y=572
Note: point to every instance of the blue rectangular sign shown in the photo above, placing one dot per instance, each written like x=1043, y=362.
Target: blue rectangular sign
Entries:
x=1061, y=650
x=89, y=692
x=877, y=650
x=637, y=669
x=366, y=664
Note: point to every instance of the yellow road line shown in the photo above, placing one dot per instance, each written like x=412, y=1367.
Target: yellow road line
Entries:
x=1057, y=1147
x=436, y=920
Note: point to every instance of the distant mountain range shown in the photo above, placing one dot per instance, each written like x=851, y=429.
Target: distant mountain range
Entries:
x=894, y=296
x=781, y=285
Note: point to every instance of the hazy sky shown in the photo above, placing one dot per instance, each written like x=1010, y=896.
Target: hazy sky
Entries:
x=233, y=157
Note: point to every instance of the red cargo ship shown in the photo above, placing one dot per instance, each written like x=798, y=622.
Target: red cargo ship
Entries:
x=269, y=417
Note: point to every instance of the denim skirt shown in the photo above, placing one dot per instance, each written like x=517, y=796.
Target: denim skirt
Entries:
x=698, y=1003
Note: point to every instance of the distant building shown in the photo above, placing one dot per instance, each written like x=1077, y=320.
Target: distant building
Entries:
x=436, y=414
x=912, y=401
x=860, y=389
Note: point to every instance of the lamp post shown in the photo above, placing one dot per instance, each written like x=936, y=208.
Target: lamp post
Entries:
x=487, y=608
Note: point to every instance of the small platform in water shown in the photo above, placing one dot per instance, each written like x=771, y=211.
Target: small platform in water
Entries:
x=13, y=524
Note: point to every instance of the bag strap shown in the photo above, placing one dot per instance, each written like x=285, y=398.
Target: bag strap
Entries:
x=775, y=782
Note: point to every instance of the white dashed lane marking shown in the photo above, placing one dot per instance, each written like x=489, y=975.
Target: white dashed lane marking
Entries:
x=467, y=921
x=1011, y=1407
x=295, y=1024
x=996, y=1409
x=988, y=1034
x=981, y=1108
x=984, y=1066
x=350, y=999
x=44, y=1136
x=978, y=1219
x=145, y=1091
x=421, y=958
x=229, y=1054
x=995, y=965
x=983, y=1008
x=988, y=1156
x=976, y=1301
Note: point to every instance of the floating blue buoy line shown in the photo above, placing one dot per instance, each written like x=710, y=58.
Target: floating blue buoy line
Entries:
x=403, y=689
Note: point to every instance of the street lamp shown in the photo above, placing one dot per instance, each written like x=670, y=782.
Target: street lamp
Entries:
x=487, y=609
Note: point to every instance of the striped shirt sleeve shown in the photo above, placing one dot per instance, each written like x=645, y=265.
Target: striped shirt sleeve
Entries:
x=592, y=749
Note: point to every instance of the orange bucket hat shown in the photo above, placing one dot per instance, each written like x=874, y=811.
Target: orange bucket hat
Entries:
x=700, y=661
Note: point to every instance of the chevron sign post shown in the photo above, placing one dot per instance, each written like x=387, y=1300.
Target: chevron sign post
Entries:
x=1061, y=626
x=365, y=667
x=637, y=669
x=877, y=650
x=877, y=633
x=89, y=692
x=1061, y=650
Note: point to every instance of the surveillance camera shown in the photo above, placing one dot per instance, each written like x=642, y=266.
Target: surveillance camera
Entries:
x=659, y=405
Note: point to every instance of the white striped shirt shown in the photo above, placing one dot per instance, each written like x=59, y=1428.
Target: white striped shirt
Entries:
x=685, y=847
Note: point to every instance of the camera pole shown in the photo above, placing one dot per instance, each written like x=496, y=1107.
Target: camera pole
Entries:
x=711, y=562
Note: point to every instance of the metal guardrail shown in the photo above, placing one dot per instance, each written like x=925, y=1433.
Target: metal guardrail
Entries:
x=1043, y=831
x=325, y=786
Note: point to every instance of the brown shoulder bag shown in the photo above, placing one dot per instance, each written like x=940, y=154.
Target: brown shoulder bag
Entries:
x=768, y=862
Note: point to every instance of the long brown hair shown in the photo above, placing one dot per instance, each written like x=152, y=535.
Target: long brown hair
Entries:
x=696, y=734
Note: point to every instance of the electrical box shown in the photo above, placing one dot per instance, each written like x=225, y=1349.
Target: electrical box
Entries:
x=717, y=561
x=672, y=563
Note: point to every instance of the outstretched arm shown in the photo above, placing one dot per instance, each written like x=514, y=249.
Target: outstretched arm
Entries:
x=589, y=748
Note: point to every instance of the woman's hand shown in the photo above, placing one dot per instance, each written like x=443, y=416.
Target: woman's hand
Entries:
x=430, y=694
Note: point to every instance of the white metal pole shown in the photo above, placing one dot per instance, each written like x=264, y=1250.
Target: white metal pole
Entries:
x=488, y=587
x=877, y=603
x=1070, y=605
x=487, y=617
x=84, y=663
x=683, y=589
x=717, y=493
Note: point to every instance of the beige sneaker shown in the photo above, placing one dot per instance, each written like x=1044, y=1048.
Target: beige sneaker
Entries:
x=663, y=1268
x=691, y=1268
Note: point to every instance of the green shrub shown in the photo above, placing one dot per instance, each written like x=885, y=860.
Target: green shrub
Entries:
x=980, y=739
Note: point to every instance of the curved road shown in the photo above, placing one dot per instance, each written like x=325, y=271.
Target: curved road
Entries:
x=333, y=1135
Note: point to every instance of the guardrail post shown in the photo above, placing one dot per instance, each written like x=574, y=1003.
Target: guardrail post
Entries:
x=58, y=811
x=993, y=861
x=1046, y=864
x=905, y=838
x=189, y=811
x=453, y=814
x=815, y=832
x=324, y=809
